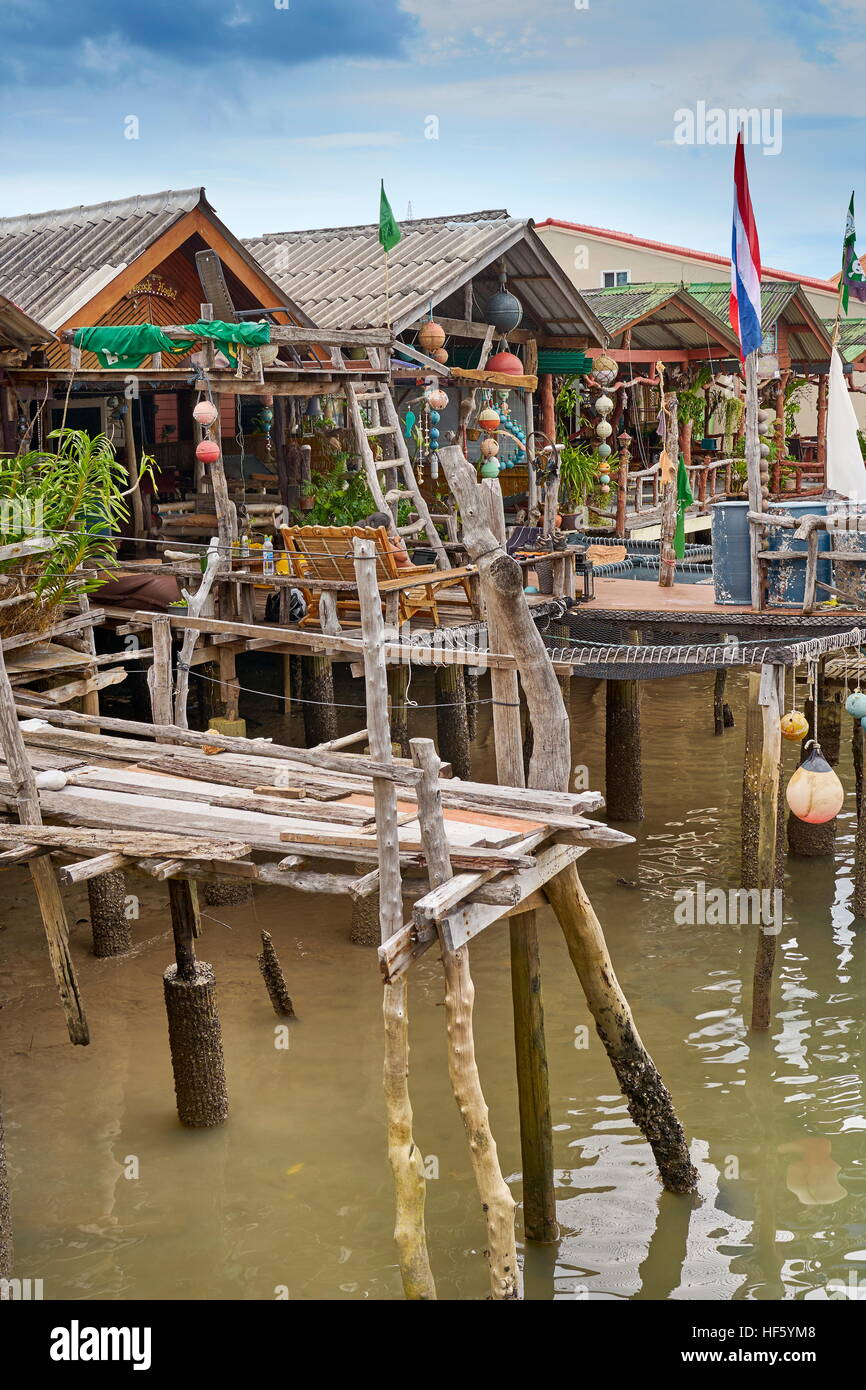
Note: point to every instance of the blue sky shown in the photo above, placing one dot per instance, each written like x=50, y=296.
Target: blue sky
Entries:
x=289, y=111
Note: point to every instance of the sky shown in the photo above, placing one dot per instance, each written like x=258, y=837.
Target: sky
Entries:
x=290, y=111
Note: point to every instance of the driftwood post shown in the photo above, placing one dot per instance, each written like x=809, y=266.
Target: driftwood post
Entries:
x=496, y=1200
x=196, y=606
x=623, y=772
x=275, y=980
x=770, y=701
x=649, y=1102
x=403, y=1152
x=40, y=866
x=530, y=1045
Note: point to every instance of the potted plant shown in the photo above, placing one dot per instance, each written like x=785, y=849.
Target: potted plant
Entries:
x=578, y=468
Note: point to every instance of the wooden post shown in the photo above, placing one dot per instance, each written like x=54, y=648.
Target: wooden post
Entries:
x=275, y=980
x=160, y=680
x=548, y=407
x=770, y=701
x=858, y=739
x=197, y=605
x=667, y=556
x=823, y=384
x=403, y=1152
x=317, y=694
x=7, y=1249
x=398, y=685
x=106, y=895
x=137, y=505
x=649, y=1101
x=622, y=483
x=194, y=1033
x=496, y=1200
x=530, y=1044
x=722, y=717
x=623, y=789
x=452, y=728
x=41, y=868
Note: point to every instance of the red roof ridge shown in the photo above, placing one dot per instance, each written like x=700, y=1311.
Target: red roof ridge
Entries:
x=632, y=240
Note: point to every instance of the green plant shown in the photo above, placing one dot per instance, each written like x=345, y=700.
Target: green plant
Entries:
x=578, y=468
x=340, y=498
x=75, y=497
x=567, y=409
x=734, y=408
x=692, y=401
x=793, y=403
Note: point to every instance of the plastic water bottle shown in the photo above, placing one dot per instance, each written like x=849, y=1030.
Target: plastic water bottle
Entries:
x=244, y=551
x=268, y=556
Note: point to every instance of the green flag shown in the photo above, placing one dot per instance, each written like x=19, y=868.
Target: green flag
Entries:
x=389, y=231
x=684, y=500
x=853, y=279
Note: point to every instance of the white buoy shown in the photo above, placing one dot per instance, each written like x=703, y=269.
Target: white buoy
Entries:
x=52, y=780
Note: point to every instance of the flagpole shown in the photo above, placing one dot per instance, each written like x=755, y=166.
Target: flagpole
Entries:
x=753, y=477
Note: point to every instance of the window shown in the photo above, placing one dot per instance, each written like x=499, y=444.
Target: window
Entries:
x=611, y=278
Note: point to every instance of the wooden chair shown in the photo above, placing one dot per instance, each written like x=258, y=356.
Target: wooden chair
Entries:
x=323, y=553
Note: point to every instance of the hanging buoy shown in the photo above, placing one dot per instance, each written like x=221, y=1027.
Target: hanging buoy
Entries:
x=856, y=704
x=488, y=419
x=431, y=335
x=814, y=793
x=207, y=451
x=794, y=726
x=205, y=412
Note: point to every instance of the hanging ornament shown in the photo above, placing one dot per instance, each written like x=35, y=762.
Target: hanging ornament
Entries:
x=431, y=335
x=439, y=355
x=489, y=419
x=490, y=468
x=436, y=398
x=506, y=362
x=208, y=451
x=604, y=451
x=205, y=412
x=604, y=478
x=795, y=726
x=856, y=704
x=503, y=309
x=814, y=793
x=409, y=424
x=605, y=370
x=604, y=405
x=604, y=429
x=490, y=448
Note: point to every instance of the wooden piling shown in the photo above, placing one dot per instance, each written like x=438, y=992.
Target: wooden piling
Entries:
x=106, y=895
x=404, y=1155
x=622, y=751
x=398, y=685
x=194, y=1033
x=452, y=727
x=858, y=743
x=275, y=980
x=470, y=684
x=497, y=1202
x=770, y=695
x=7, y=1249
x=227, y=892
x=722, y=716
x=317, y=693
x=649, y=1101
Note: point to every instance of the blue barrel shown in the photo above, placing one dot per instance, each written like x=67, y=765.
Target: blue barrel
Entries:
x=730, y=527
x=786, y=583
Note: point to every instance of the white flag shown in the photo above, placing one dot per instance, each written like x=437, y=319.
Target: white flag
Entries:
x=846, y=473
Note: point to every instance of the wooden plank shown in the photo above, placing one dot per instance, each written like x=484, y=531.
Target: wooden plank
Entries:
x=140, y=843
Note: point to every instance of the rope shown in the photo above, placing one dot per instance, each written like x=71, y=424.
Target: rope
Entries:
x=330, y=704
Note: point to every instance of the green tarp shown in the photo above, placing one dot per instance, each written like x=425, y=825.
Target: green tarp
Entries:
x=127, y=345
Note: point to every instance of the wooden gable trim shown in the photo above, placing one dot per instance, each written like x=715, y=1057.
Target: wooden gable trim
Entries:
x=186, y=226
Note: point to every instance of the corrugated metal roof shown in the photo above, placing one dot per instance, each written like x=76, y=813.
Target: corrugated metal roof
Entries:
x=336, y=274
x=18, y=329
x=660, y=316
x=852, y=337
x=53, y=262
x=808, y=340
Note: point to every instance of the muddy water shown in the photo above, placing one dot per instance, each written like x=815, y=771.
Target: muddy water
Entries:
x=112, y=1199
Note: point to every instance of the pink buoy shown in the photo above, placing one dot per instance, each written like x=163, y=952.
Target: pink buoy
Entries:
x=207, y=451
x=205, y=412
x=814, y=793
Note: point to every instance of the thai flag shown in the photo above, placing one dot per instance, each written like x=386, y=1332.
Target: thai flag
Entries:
x=745, y=261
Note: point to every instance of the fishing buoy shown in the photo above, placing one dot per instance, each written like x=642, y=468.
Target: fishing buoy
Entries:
x=530, y=588
x=814, y=793
x=207, y=451
x=794, y=726
x=205, y=412
x=856, y=704
x=52, y=780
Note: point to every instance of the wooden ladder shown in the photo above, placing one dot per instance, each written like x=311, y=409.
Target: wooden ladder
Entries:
x=402, y=484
